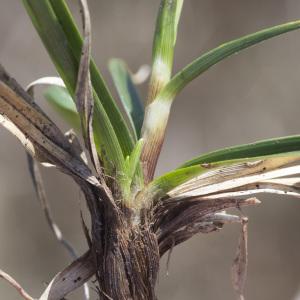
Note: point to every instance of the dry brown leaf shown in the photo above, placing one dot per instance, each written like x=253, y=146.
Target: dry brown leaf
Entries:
x=37, y=132
x=239, y=267
x=229, y=177
x=74, y=276
x=84, y=91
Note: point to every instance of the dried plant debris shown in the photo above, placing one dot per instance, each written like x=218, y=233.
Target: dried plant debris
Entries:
x=239, y=267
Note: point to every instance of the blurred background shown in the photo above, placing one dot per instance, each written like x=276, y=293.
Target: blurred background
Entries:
x=250, y=96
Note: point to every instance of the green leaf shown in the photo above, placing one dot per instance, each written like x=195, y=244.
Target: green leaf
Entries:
x=61, y=101
x=128, y=94
x=134, y=159
x=74, y=38
x=231, y=179
x=66, y=58
x=286, y=146
x=133, y=171
x=215, y=172
x=156, y=115
x=54, y=39
x=164, y=44
x=204, y=62
x=163, y=184
x=260, y=148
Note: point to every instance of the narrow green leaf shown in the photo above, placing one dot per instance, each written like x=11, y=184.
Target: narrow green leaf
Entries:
x=157, y=113
x=237, y=176
x=204, y=62
x=128, y=94
x=177, y=17
x=163, y=45
x=74, y=39
x=56, y=43
x=163, y=184
x=260, y=148
x=134, y=159
x=133, y=172
x=217, y=171
x=61, y=101
x=54, y=39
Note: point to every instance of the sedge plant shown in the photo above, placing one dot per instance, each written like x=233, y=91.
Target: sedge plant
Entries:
x=135, y=217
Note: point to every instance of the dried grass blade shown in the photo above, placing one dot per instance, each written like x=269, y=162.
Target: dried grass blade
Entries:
x=74, y=276
x=239, y=267
x=16, y=285
x=84, y=93
x=39, y=133
x=38, y=184
x=41, y=195
x=236, y=175
x=238, y=182
x=48, y=80
x=281, y=186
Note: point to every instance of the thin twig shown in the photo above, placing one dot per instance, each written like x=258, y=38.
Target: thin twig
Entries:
x=240, y=263
x=41, y=195
x=16, y=285
x=84, y=92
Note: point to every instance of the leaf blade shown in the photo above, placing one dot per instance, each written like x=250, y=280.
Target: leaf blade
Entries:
x=60, y=51
x=154, y=128
x=163, y=45
x=260, y=148
x=205, y=61
x=74, y=38
x=155, y=120
x=181, y=180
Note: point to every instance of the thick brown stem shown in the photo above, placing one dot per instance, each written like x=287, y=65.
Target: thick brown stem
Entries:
x=126, y=254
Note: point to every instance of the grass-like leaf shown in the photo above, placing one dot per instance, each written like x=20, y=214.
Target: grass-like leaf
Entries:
x=157, y=113
x=156, y=116
x=227, y=185
x=280, y=186
x=204, y=62
x=57, y=44
x=128, y=94
x=75, y=41
x=189, y=177
x=163, y=45
x=260, y=148
x=133, y=177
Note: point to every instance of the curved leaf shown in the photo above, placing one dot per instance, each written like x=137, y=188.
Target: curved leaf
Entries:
x=75, y=41
x=62, y=53
x=260, y=148
x=192, y=177
x=204, y=62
